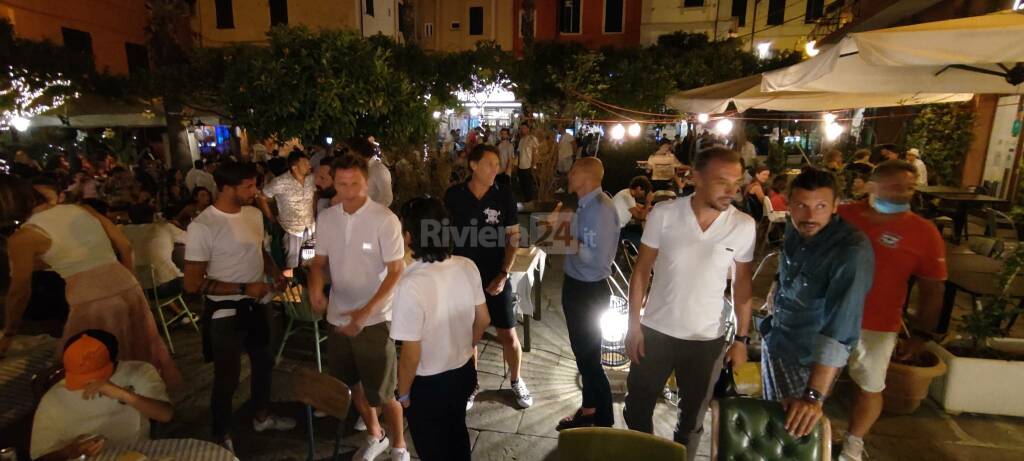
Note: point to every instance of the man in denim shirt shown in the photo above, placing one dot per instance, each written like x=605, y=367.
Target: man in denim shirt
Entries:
x=825, y=272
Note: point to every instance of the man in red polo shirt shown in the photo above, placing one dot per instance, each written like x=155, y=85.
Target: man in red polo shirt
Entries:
x=906, y=245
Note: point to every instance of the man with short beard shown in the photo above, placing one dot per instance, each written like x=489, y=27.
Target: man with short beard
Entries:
x=325, y=192
x=694, y=244
x=825, y=270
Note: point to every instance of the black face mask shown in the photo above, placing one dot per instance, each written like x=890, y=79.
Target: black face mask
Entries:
x=328, y=192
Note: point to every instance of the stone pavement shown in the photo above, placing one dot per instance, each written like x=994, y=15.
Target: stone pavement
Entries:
x=500, y=432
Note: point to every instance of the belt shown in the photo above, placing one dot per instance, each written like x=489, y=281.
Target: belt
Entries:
x=250, y=317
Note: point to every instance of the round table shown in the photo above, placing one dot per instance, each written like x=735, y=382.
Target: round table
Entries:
x=171, y=450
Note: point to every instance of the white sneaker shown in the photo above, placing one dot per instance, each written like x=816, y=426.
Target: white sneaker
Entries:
x=853, y=449
x=372, y=449
x=399, y=454
x=360, y=424
x=523, y=397
x=472, y=398
x=277, y=423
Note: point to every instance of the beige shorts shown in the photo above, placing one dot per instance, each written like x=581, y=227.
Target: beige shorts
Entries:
x=870, y=359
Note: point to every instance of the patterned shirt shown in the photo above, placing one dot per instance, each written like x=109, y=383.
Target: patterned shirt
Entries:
x=294, y=202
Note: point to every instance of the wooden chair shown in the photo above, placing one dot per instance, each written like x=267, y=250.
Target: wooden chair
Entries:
x=324, y=393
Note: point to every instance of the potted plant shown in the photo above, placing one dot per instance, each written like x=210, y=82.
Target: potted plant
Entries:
x=907, y=382
x=985, y=368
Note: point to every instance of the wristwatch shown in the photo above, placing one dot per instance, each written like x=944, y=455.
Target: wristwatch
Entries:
x=401, y=398
x=813, y=396
x=742, y=338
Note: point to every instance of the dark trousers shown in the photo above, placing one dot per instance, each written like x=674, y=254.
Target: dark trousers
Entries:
x=696, y=364
x=583, y=304
x=171, y=288
x=437, y=414
x=526, y=182
x=228, y=341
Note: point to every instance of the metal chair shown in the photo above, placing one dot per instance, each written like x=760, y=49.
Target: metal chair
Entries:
x=158, y=304
x=771, y=218
x=999, y=224
x=297, y=307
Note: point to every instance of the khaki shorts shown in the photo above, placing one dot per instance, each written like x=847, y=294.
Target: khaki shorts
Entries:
x=367, y=359
x=870, y=359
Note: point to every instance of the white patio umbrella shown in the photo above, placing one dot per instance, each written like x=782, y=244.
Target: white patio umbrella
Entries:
x=979, y=54
x=745, y=93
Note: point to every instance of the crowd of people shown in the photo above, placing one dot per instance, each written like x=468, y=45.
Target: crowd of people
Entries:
x=407, y=295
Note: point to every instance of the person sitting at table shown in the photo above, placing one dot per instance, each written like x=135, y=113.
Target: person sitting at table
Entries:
x=663, y=164
x=153, y=245
x=100, y=402
x=777, y=193
x=631, y=203
x=755, y=192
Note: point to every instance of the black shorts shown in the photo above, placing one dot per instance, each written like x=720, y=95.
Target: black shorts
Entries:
x=500, y=307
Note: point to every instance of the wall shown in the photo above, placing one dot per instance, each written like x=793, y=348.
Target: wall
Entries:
x=39, y=20
x=667, y=16
x=252, y=19
x=498, y=23
x=592, y=33
x=1002, y=144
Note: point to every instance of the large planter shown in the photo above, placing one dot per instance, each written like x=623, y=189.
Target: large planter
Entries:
x=987, y=386
x=907, y=385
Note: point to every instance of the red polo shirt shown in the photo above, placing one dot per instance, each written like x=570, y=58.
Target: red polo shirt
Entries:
x=904, y=246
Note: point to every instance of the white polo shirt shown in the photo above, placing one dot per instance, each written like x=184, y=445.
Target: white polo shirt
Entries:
x=231, y=244
x=438, y=299
x=358, y=247
x=690, y=272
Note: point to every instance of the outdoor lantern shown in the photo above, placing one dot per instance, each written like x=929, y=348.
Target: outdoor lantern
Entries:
x=634, y=130
x=330, y=140
x=764, y=50
x=832, y=131
x=702, y=118
x=618, y=131
x=436, y=115
x=810, y=49
x=614, y=325
x=724, y=127
x=19, y=123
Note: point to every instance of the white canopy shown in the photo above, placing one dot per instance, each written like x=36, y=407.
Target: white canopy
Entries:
x=745, y=93
x=916, y=58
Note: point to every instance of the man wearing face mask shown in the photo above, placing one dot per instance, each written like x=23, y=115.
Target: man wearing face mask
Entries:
x=825, y=270
x=905, y=245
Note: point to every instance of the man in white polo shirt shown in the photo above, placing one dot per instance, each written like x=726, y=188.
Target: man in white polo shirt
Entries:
x=694, y=245
x=360, y=242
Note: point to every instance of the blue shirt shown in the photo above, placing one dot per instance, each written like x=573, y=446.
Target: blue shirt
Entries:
x=819, y=300
x=596, y=228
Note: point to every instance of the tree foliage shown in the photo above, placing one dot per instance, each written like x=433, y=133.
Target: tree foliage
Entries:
x=943, y=133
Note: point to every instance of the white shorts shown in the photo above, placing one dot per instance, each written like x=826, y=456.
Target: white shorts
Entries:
x=870, y=359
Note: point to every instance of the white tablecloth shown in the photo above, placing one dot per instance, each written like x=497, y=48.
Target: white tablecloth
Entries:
x=170, y=450
x=523, y=276
x=27, y=356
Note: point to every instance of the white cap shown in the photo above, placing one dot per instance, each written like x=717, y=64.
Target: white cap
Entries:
x=913, y=151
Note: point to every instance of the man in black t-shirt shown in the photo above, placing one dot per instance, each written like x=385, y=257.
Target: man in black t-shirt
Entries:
x=486, y=230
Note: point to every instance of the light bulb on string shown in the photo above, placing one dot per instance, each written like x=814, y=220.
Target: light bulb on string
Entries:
x=20, y=123
x=832, y=131
x=702, y=118
x=724, y=127
x=618, y=131
x=829, y=118
x=811, y=49
x=634, y=130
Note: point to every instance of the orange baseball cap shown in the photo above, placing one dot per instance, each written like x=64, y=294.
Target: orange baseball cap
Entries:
x=87, y=359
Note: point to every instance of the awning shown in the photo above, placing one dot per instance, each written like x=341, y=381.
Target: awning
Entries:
x=92, y=111
x=745, y=93
x=967, y=55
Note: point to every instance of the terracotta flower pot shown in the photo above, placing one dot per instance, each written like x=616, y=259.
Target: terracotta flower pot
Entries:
x=907, y=385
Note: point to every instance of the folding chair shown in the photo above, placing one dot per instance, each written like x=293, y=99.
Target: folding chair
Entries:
x=158, y=304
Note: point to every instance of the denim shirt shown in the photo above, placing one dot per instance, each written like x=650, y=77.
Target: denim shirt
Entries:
x=819, y=300
x=596, y=228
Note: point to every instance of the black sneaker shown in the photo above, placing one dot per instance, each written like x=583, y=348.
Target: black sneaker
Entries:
x=576, y=420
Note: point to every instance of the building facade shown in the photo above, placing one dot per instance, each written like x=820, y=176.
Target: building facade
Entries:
x=456, y=25
x=592, y=23
x=116, y=42
x=764, y=25
x=223, y=22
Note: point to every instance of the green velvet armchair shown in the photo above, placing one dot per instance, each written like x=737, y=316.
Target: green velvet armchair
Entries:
x=745, y=429
x=610, y=444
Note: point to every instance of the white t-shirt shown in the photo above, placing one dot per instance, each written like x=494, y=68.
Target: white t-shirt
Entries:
x=565, y=149
x=358, y=247
x=231, y=244
x=63, y=414
x=623, y=201
x=505, y=154
x=527, y=147
x=663, y=166
x=687, y=295
x=749, y=154
x=439, y=299
x=153, y=245
x=922, y=172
